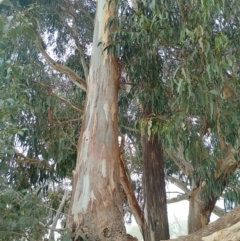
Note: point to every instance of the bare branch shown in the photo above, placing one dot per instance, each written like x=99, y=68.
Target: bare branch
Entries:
x=86, y=13
x=76, y=79
x=59, y=230
x=177, y=199
x=187, y=164
x=218, y=211
x=73, y=31
x=182, y=185
x=60, y=208
x=130, y=129
x=125, y=182
x=58, y=97
x=176, y=161
x=24, y=159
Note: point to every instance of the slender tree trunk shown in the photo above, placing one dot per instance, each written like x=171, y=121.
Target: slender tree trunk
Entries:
x=96, y=205
x=155, y=206
x=199, y=210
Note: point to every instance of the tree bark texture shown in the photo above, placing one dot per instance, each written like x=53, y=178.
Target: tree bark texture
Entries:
x=226, y=228
x=199, y=210
x=96, y=205
x=155, y=206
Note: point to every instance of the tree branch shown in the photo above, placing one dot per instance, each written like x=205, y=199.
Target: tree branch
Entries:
x=125, y=182
x=182, y=185
x=58, y=97
x=218, y=211
x=225, y=228
x=130, y=129
x=86, y=13
x=188, y=166
x=76, y=79
x=176, y=161
x=74, y=32
x=23, y=159
x=177, y=199
x=59, y=211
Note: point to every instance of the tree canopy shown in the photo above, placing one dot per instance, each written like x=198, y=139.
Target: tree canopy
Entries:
x=178, y=67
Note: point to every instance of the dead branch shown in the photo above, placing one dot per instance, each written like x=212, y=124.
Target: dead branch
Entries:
x=59, y=211
x=182, y=185
x=177, y=199
x=126, y=184
x=76, y=79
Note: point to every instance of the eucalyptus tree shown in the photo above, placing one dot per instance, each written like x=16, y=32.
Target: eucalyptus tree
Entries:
x=39, y=128
x=143, y=70
x=96, y=210
x=44, y=150
x=198, y=44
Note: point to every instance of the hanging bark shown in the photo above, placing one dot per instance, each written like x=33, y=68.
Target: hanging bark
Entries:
x=225, y=228
x=96, y=205
x=155, y=206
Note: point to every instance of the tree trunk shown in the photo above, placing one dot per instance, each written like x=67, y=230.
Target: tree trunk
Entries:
x=226, y=228
x=96, y=205
x=155, y=206
x=199, y=210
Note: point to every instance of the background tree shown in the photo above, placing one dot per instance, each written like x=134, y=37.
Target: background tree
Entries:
x=190, y=42
x=194, y=60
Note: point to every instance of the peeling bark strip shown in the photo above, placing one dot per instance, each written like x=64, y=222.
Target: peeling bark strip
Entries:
x=96, y=205
x=225, y=228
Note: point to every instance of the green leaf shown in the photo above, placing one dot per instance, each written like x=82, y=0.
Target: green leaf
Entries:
x=66, y=237
x=213, y=92
x=6, y=3
x=83, y=236
x=16, y=71
x=30, y=32
x=149, y=129
x=10, y=100
x=211, y=109
x=229, y=62
x=2, y=125
x=7, y=25
x=13, y=35
x=20, y=133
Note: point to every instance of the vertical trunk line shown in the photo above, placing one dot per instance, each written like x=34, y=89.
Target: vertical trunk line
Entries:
x=155, y=203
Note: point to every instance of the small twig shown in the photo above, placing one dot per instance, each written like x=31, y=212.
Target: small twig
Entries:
x=58, y=97
x=59, y=230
